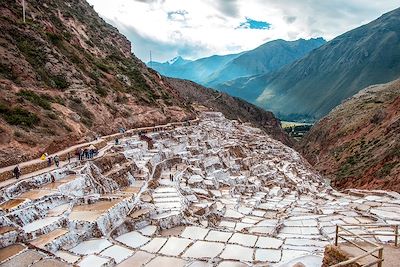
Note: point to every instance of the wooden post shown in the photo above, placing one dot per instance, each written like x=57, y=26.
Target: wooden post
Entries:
x=396, y=235
x=380, y=256
x=23, y=10
x=337, y=235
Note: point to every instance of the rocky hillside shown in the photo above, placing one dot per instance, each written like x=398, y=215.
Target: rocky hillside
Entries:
x=232, y=107
x=358, y=143
x=313, y=85
x=67, y=76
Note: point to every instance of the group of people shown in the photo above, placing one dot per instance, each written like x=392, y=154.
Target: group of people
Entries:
x=55, y=159
x=87, y=153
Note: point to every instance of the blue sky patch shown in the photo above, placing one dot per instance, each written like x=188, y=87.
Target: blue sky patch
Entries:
x=177, y=15
x=254, y=24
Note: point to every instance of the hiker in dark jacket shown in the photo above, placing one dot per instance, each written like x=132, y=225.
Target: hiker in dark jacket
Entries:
x=17, y=172
x=57, y=161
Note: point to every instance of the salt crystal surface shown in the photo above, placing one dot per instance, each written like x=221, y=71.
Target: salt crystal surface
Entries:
x=194, y=232
x=288, y=254
x=240, y=226
x=269, y=255
x=38, y=224
x=93, y=261
x=243, y=239
x=227, y=224
x=268, y=242
x=117, y=252
x=199, y=264
x=91, y=246
x=236, y=252
x=166, y=261
x=232, y=264
x=233, y=214
x=133, y=239
x=137, y=260
x=219, y=236
x=175, y=246
x=68, y=257
x=386, y=214
x=305, y=242
x=154, y=245
x=266, y=230
x=203, y=249
x=148, y=230
x=309, y=261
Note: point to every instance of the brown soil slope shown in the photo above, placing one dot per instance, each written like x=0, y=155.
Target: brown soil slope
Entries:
x=67, y=76
x=232, y=107
x=358, y=143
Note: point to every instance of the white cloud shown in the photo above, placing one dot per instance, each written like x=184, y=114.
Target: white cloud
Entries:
x=199, y=28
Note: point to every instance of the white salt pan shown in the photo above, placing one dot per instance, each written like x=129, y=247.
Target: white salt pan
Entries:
x=91, y=246
x=133, y=239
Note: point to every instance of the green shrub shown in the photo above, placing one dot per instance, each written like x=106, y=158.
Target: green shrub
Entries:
x=60, y=81
x=32, y=52
x=76, y=100
x=102, y=66
x=386, y=169
x=7, y=72
x=39, y=100
x=59, y=100
x=101, y=91
x=54, y=38
x=121, y=99
x=52, y=115
x=18, y=116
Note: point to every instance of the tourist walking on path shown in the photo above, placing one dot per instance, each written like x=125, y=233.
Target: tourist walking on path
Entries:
x=49, y=161
x=57, y=161
x=80, y=154
x=17, y=172
x=69, y=157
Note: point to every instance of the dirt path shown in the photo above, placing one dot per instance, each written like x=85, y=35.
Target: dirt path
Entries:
x=73, y=148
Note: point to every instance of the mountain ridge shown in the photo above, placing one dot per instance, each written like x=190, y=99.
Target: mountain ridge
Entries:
x=214, y=70
x=313, y=85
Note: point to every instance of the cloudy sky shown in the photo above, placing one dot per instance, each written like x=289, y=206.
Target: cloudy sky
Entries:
x=199, y=28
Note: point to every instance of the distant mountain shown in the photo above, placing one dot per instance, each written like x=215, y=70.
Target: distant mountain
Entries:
x=198, y=70
x=357, y=143
x=313, y=85
x=264, y=59
x=214, y=70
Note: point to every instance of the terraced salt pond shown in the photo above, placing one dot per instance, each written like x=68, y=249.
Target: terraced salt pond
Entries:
x=217, y=193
